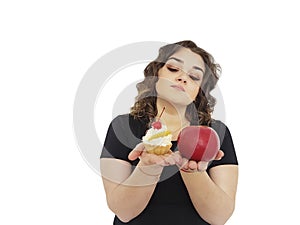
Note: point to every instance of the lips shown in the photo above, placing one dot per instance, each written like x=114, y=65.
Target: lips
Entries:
x=179, y=87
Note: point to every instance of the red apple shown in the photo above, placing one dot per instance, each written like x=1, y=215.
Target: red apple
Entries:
x=199, y=143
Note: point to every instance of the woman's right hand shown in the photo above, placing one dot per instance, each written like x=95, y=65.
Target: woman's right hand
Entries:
x=147, y=159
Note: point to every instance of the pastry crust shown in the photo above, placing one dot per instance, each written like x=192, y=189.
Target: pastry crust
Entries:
x=158, y=150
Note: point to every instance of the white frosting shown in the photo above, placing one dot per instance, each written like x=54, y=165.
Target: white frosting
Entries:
x=161, y=141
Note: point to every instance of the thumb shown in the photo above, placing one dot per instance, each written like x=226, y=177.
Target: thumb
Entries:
x=136, y=152
x=219, y=155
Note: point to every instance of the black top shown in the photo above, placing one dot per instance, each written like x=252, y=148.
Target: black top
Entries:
x=170, y=202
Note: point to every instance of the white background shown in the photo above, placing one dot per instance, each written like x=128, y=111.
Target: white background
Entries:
x=47, y=46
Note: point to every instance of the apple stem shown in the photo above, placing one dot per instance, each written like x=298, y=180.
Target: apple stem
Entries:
x=161, y=112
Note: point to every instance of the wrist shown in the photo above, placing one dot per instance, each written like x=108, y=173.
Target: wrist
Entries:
x=142, y=177
x=150, y=170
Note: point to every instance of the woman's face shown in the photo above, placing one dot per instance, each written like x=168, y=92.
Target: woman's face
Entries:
x=180, y=78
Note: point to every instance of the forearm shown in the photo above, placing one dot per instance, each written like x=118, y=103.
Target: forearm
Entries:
x=131, y=197
x=210, y=201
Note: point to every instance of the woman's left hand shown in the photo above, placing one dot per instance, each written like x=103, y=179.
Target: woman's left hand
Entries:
x=193, y=166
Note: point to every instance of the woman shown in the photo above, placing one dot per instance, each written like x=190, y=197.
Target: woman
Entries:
x=143, y=188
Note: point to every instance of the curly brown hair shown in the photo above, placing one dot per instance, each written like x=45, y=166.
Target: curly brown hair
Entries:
x=198, y=112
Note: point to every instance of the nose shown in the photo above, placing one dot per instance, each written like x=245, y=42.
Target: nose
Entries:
x=182, y=78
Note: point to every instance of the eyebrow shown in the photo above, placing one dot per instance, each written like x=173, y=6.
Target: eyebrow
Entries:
x=181, y=61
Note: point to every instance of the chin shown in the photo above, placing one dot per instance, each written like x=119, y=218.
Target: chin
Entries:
x=178, y=101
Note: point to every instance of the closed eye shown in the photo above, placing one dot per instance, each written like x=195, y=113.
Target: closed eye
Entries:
x=175, y=69
x=172, y=68
x=193, y=77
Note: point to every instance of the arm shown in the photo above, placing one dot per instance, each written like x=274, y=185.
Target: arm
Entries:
x=213, y=194
x=128, y=192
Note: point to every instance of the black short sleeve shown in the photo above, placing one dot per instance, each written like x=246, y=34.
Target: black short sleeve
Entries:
x=121, y=138
x=227, y=146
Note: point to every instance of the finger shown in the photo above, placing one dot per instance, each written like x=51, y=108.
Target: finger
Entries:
x=136, y=152
x=184, y=164
x=177, y=158
x=193, y=165
x=202, y=166
x=170, y=160
x=219, y=155
x=161, y=161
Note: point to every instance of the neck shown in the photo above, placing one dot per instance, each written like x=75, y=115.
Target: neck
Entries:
x=171, y=110
x=173, y=116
